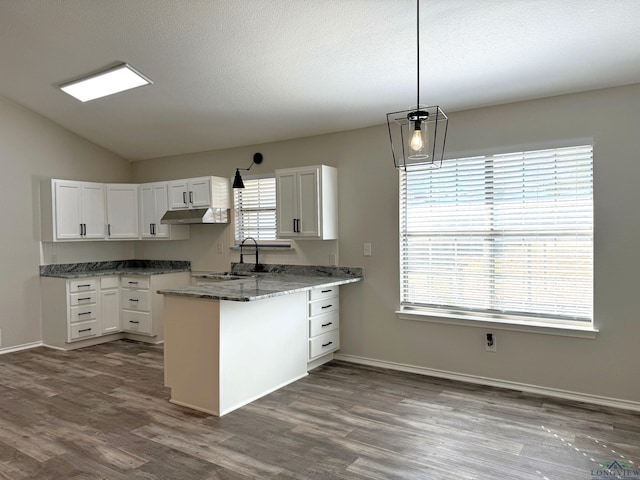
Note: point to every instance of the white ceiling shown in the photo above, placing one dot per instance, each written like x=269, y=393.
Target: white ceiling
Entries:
x=228, y=72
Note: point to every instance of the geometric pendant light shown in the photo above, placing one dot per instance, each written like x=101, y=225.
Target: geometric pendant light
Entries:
x=419, y=134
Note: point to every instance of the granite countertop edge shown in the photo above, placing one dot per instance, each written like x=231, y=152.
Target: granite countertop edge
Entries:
x=233, y=290
x=114, y=267
x=115, y=271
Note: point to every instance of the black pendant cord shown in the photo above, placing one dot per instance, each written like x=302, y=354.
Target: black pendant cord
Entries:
x=418, y=51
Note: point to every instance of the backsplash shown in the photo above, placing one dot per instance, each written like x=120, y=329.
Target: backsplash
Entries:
x=309, y=270
x=79, y=252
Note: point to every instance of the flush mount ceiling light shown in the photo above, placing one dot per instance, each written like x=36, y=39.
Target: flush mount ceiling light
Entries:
x=114, y=80
x=418, y=135
x=237, y=180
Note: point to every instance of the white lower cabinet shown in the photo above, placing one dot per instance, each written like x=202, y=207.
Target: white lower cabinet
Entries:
x=136, y=316
x=109, y=305
x=323, y=319
x=86, y=311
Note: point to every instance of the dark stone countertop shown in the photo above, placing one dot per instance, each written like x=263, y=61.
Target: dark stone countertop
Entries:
x=120, y=267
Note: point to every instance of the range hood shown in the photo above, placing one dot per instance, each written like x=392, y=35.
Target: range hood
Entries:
x=196, y=215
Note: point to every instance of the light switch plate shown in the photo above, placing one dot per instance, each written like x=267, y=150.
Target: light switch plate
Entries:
x=366, y=251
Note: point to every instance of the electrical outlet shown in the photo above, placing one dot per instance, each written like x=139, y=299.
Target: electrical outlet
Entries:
x=219, y=247
x=366, y=250
x=332, y=259
x=490, y=343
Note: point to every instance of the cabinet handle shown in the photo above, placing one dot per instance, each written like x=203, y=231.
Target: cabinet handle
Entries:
x=81, y=230
x=84, y=285
x=327, y=324
x=326, y=344
x=84, y=330
x=134, y=321
x=326, y=306
x=326, y=291
x=184, y=197
x=133, y=283
x=294, y=225
x=190, y=197
x=84, y=313
x=134, y=300
x=83, y=299
x=152, y=228
x=85, y=229
x=109, y=229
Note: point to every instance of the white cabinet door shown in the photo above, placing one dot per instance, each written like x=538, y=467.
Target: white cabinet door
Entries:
x=308, y=185
x=178, y=195
x=109, y=311
x=147, y=210
x=306, y=202
x=92, y=207
x=79, y=210
x=122, y=211
x=153, y=205
x=68, y=215
x=161, y=203
x=286, y=201
x=202, y=192
x=199, y=192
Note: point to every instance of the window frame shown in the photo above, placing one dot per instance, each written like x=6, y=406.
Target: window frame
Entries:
x=273, y=243
x=482, y=318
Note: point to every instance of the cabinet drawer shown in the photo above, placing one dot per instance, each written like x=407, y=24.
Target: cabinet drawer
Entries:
x=109, y=282
x=82, y=285
x=325, y=343
x=138, y=322
x=321, y=307
x=83, y=329
x=322, y=293
x=135, y=300
x=83, y=313
x=134, y=282
x=88, y=298
x=324, y=323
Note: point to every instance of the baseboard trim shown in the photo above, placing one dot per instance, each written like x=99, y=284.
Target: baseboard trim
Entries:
x=17, y=348
x=493, y=382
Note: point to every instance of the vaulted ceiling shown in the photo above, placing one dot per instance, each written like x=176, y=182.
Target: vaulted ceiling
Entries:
x=228, y=72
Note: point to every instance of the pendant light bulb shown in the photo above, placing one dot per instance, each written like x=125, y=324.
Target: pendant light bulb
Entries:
x=417, y=142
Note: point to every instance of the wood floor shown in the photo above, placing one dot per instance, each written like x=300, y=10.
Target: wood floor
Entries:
x=102, y=413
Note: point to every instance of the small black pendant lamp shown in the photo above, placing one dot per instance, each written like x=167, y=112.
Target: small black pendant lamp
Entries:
x=418, y=135
x=237, y=180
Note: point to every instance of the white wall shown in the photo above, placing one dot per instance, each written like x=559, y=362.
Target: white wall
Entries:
x=368, y=204
x=33, y=148
x=202, y=249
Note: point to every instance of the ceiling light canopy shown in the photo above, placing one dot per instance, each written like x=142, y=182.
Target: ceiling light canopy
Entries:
x=114, y=80
x=418, y=135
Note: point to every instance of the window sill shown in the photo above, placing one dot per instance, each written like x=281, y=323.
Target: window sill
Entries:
x=499, y=324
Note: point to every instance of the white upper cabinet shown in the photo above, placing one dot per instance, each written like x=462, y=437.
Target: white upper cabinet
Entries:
x=122, y=211
x=77, y=211
x=154, y=202
x=202, y=192
x=307, y=203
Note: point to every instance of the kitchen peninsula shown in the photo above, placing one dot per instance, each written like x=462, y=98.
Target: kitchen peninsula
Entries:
x=234, y=341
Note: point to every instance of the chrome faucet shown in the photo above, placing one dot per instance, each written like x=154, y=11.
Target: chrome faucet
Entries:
x=242, y=253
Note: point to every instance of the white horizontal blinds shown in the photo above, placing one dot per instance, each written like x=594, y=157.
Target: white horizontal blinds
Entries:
x=507, y=234
x=255, y=209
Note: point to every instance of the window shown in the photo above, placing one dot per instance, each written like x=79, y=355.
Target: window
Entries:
x=500, y=236
x=255, y=211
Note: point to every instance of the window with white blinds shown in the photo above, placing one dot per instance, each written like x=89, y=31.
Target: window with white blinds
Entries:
x=255, y=211
x=500, y=236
